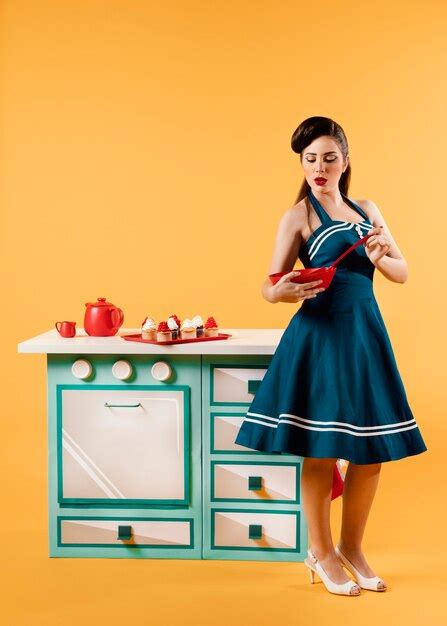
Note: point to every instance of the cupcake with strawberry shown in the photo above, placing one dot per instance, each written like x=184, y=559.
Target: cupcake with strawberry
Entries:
x=164, y=333
x=211, y=328
x=174, y=324
x=149, y=329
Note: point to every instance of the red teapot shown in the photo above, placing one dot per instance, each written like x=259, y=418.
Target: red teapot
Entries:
x=102, y=318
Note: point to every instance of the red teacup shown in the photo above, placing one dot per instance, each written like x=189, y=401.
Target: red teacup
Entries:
x=66, y=329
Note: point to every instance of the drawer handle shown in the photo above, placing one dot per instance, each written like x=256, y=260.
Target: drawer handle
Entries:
x=128, y=406
x=253, y=386
x=254, y=531
x=255, y=482
x=124, y=532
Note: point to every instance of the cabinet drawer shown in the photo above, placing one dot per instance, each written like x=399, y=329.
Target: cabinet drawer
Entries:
x=234, y=384
x=224, y=428
x=247, y=481
x=124, y=445
x=121, y=531
x=258, y=530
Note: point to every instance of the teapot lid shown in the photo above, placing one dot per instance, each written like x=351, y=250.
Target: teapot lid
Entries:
x=100, y=302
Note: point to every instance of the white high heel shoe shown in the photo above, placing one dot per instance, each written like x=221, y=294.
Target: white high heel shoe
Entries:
x=365, y=583
x=315, y=568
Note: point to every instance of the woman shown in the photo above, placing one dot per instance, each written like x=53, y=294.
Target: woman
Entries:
x=333, y=389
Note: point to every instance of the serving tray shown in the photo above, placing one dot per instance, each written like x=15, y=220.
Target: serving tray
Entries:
x=140, y=339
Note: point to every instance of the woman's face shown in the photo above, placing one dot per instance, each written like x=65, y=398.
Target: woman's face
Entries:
x=323, y=159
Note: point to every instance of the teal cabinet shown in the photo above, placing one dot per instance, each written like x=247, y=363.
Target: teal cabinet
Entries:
x=125, y=457
x=251, y=500
x=125, y=444
x=142, y=461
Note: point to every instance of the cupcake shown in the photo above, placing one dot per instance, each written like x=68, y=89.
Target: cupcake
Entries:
x=179, y=322
x=163, y=332
x=149, y=329
x=174, y=325
x=198, y=323
x=187, y=329
x=211, y=328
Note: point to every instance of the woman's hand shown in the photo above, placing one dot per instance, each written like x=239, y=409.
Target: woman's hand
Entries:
x=286, y=291
x=377, y=245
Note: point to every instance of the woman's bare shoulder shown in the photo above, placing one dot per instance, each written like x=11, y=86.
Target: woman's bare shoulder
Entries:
x=369, y=207
x=296, y=216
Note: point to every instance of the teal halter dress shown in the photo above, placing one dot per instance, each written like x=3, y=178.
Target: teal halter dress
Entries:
x=333, y=388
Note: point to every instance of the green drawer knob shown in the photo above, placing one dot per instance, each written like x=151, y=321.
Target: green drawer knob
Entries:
x=255, y=482
x=254, y=531
x=253, y=386
x=124, y=532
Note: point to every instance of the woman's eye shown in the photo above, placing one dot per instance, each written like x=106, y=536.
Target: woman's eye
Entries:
x=327, y=160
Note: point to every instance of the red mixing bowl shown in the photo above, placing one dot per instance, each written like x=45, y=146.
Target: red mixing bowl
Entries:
x=326, y=274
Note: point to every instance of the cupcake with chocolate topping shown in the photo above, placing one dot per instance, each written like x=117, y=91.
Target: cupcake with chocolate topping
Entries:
x=174, y=325
x=187, y=329
x=211, y=328
x=149, y=329
x=198, y=323
x=163, y=332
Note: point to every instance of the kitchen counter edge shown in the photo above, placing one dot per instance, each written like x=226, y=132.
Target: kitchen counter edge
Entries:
x=242, y=341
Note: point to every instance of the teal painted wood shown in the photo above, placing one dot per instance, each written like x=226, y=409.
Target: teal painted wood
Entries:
x=194, y=373
x=135, y=546
x=186, y=374
x=213, y=497
x=228, y=414
x=257, y=548
x=258, y=362
x=125, y=501
x=212, y=408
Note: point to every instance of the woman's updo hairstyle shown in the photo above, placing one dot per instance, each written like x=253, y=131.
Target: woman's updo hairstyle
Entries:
x=312, y=128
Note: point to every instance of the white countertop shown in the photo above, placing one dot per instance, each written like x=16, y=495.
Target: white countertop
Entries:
x=243, y=341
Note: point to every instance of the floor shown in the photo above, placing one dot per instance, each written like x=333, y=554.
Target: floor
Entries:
x=65, y=592
x=404, y=543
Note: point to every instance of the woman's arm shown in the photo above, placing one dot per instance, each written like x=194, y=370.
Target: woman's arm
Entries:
x=393, y=264
x=287, y=245
x=267, y=291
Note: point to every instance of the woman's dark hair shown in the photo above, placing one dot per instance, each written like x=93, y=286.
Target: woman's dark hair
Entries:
x=312, y=128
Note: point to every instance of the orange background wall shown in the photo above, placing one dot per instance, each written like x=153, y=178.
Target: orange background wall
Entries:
x=145, y=157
